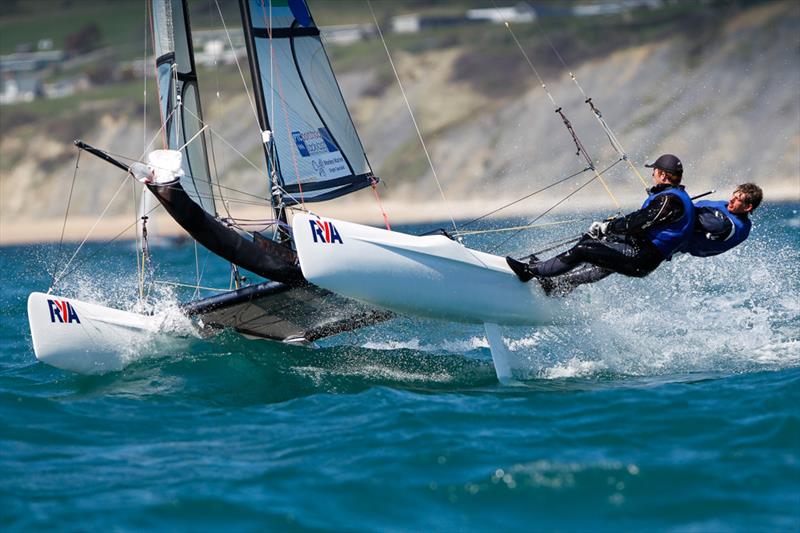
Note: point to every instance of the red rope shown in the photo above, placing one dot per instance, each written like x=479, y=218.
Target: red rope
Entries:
x=380, y=204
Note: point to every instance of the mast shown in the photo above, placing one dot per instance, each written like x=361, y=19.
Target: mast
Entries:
x=261, y=110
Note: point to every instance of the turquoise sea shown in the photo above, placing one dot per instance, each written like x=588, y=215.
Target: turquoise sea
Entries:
x=671, y=403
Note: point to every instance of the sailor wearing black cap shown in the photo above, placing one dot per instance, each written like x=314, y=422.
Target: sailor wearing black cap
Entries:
x=633, y=245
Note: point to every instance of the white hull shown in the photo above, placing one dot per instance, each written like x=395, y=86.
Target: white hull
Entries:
x=430, y=276
x=83, y=337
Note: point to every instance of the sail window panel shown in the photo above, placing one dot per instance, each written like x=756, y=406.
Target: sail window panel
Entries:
x=169, y=28
x=166, y=90
x=162, y=27
x=262, y=12
x=197, y=179
x=183, y=51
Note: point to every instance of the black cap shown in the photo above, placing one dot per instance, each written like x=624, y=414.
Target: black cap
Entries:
x=669, y=163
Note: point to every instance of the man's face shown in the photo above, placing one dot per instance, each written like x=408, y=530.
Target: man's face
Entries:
x=660, y=177
x=738, y=205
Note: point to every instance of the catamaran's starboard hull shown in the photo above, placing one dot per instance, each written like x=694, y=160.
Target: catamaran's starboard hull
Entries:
x=430, y=276
x=83, y=337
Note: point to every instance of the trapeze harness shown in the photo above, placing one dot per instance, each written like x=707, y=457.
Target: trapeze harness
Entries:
x=668, y=239
x=703, y=242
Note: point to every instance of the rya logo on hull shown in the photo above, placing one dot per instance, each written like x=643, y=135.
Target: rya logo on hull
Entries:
x=62, y=311
x=324, y=231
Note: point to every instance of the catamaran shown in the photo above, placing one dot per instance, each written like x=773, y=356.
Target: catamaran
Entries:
x=324, y=276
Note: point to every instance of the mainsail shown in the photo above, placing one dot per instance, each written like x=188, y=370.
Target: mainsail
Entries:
x=317, y=153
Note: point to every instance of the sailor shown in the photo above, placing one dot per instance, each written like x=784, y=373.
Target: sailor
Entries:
x=633, y=245
x=720, y=225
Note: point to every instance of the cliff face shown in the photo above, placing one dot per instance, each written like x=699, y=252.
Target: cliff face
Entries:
x=727, y=102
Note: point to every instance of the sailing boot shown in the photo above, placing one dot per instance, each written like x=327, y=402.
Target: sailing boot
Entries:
x=520, y=269
x=525, y=273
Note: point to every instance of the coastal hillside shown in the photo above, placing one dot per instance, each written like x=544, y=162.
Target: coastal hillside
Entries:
x=720, y=88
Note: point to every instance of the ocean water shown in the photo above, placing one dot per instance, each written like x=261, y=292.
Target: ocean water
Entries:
x=670, y=403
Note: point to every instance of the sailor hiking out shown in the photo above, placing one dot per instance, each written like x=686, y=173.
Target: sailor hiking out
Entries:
x=633, y=245
x=721, y=225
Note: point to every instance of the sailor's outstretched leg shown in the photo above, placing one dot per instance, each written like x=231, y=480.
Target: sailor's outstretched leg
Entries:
x=563, y=285
x=525, y=272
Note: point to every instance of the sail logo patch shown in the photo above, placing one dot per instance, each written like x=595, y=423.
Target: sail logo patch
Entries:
x=314, y=142
x=318, y=150
x=324, y=231
x=63, y=312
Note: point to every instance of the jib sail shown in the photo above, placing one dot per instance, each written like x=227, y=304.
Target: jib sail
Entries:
x=179, y=96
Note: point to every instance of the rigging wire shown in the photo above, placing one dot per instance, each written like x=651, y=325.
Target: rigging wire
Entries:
x=64, y=225
x=218, y=106
x=140, y=264
x=190, y=286
x=528, y=226
x=229, y=145
x=195, y=136
x=66, y=272
x=56, y=279
x=581, y=149
x=411, y=113
x=250, y=99
x=204, y=196
x=615, y=143
x=561, y=180
x=268, y=22
x=596, y=175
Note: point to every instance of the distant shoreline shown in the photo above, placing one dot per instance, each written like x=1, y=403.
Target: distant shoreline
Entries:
x=48, y=230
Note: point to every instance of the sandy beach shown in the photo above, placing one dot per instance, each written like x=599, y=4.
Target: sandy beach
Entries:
x=363, y=210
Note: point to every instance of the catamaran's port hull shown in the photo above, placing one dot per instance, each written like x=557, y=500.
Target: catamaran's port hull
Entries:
x=86, y=338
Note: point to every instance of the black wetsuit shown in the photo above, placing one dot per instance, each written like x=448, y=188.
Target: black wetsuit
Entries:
x=625, y=248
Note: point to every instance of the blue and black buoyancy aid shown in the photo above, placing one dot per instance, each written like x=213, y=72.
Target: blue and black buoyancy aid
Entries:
x=669, y=238
x=700, y=245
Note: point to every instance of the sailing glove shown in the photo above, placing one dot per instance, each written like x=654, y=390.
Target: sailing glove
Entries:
x=597, y=229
